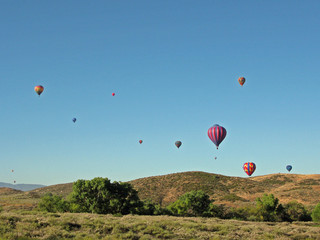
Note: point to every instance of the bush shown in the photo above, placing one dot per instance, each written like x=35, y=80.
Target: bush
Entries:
x=316, y=213
x=268, y=208
x=53, y=203
x=294, y=211
x=194, y=203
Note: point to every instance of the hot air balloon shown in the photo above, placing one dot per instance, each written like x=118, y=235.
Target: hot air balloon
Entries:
x=113, y=94
x=12, y=170
x=178, y=144
x=14, y=181
x=140, y=141
x=241, y=80
x=289, y=167
x=217, y=133
x=39, y=89
x=215, y=158
x=249, y=168
x=74, y=120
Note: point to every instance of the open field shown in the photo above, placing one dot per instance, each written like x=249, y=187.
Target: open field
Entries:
x=38, y=225
x=20, y=219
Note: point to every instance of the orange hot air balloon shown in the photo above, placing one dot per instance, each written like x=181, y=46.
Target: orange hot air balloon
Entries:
x=39, y=89
x=241, y=80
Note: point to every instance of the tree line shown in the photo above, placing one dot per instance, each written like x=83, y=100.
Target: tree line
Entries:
x=102, y=196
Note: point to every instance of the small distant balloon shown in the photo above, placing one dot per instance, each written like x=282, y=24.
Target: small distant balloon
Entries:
x=289, y=168
x=39, y=89
x=241, y=80
x=140, y=141
x=14, y=181
x=215, y=158
x=216, y=134
x=113, y=94
x=74, y=120
x=249, y=168
x=178, y=144
x=12, y=170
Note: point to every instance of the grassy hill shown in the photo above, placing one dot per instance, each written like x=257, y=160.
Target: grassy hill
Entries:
x=231, y=191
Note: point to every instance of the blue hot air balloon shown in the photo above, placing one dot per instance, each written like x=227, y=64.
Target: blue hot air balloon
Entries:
x=289, y=167
x=74, y=120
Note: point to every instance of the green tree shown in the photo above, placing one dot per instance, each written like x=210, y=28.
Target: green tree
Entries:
x=268, y=208
x=194, y=203
x=294, y=211
x=316, y=213
x=53, y=203
x=99, y=195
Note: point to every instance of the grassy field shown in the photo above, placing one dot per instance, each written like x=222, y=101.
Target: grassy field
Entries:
x=40, y=225
x=21, y=220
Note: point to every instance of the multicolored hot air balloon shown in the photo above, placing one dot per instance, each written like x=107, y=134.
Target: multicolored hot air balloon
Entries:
x=241, y=80
x=178, y=144
x=289, y=168
x=74, y=120
x=39, y=89
x=140, y=141
x=249, y=168
x=113, y=94
x=217, y=133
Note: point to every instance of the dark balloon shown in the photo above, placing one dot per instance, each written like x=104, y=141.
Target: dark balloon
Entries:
x=74, y=120
x=289, y=168
x=249, y=168
x=217, y=133
x=215, y=158
x=178, y=144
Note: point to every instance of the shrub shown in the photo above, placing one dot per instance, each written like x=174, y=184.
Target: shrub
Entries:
x=53, y=203
x=316, y=213
x=268, y=208
x=294, y=211
x=194, y=203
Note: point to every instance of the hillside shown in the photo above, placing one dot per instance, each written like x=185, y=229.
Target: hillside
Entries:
x=22, y=187
x=231, y=191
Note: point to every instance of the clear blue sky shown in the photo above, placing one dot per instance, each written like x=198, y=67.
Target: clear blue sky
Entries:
x=174, y=67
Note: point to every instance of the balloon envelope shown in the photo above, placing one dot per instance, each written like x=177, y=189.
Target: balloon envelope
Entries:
x=217, y=133
x=74, y=120
x=289, y=167
x=113, y=94
x=39, y=89
x=241, y=80
x=178, y=144
x=140, y=141
x=249, y=168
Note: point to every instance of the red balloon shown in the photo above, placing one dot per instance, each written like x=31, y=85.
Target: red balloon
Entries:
x=249, y=168
x=140, y=141
x=113, y=94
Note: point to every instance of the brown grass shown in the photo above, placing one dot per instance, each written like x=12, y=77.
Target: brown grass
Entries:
x=38, y=225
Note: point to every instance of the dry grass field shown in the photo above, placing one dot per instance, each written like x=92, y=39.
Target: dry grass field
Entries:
x=20, y=219
x=38, y=225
